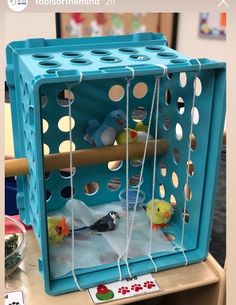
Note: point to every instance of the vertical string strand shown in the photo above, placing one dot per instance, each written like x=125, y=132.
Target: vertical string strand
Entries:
x=72, y=190
x=154, y=171
x=142, y=167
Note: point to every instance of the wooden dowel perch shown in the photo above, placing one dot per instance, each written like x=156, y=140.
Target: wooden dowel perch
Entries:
x=18, y=167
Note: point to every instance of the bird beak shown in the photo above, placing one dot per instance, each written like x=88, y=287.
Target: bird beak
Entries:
x=133, y=134
x=119, y=122
x=167, y=214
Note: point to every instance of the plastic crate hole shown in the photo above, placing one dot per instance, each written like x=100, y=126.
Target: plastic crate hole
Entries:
x=178, y=132
x=116, y=93
x=45, y=126
x=63, y=123
x=53, y=71
x=187, y=192
x=198, y=86
x=46, y=149
x=110, y=59
x=136, y=162
x=43, y=100
x=47, y=175
x=162, y=190
x=182, y=79
x=155, y=48
x=72, y=54
x=115, y=165
x=100, y=52
x=195, y=115
x=176, y=155
x=65, y=98
x=48, y=195
x=66, y=192
x=173, y=201
x=91, y=188
x=167, y=55
x=140, y=90
x=139, y=57
x=169, y=75
x=166, y=122
x=66, y=174
x=167, y=97
x=170, y=236
x=42, y=56
x=175, y=179
x=134, y=181
x=180, y=105
x=31, y=116
x=128, y=50
x=139, y=114
x=190, y=167
x=65, y=146
x=81, y=61
x=185, y=215
x=49, y=63
x=163, y=169
x=114, y=184
x=193, y=141
x=21, y=84
x=178, y=61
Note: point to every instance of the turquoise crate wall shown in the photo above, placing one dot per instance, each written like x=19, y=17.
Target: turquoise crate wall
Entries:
x=31, y=80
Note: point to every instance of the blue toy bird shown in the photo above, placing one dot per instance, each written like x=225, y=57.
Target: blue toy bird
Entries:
x=105, y=134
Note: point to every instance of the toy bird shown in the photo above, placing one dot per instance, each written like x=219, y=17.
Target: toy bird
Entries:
x=106, y=223
x=141, y=127
x=161, y=214
x=57, y=229
x=104, y=134
x=132, y=136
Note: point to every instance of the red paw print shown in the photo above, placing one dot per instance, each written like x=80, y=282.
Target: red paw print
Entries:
x=149, y=284
x=136, y=287
x=123, y=290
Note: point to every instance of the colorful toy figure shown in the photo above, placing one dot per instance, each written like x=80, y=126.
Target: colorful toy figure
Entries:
x=161, y=213
x=57, y=229
x=105, y=134
x=132, y=136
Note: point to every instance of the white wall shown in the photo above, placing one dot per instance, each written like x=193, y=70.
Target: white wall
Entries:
x=189, y=43
x=29, y=25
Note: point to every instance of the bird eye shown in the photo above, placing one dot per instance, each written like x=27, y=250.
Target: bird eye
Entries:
x=158, y=210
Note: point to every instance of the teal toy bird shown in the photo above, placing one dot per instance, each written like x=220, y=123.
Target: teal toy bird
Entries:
x=160, y=214
x=104, y=134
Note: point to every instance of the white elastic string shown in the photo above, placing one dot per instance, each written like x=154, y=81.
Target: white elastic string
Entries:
x=188, y=162
x=154, y=171
x=72, y=193
x=142, y=167
x=128, y=80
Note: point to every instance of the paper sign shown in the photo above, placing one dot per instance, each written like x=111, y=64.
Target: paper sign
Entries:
x=124, y=289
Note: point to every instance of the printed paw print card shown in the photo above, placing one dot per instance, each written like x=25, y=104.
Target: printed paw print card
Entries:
x=124, y=289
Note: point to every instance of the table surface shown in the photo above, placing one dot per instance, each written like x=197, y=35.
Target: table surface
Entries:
x=28, y=279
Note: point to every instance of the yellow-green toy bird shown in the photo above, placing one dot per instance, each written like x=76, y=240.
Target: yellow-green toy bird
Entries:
x=132, y=136
x=160, y=214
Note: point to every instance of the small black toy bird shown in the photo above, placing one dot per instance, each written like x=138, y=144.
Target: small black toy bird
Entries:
x=106, y=223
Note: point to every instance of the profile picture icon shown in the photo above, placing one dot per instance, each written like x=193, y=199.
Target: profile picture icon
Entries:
x=17, y=5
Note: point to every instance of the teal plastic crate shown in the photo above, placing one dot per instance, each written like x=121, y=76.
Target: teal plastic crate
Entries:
x=39, y=72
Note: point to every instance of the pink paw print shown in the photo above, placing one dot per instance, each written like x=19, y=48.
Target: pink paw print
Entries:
x=123, y=290
x=136, y=287
x=149, y=284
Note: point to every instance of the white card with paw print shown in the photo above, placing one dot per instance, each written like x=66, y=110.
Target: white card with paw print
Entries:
x=124, y=289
